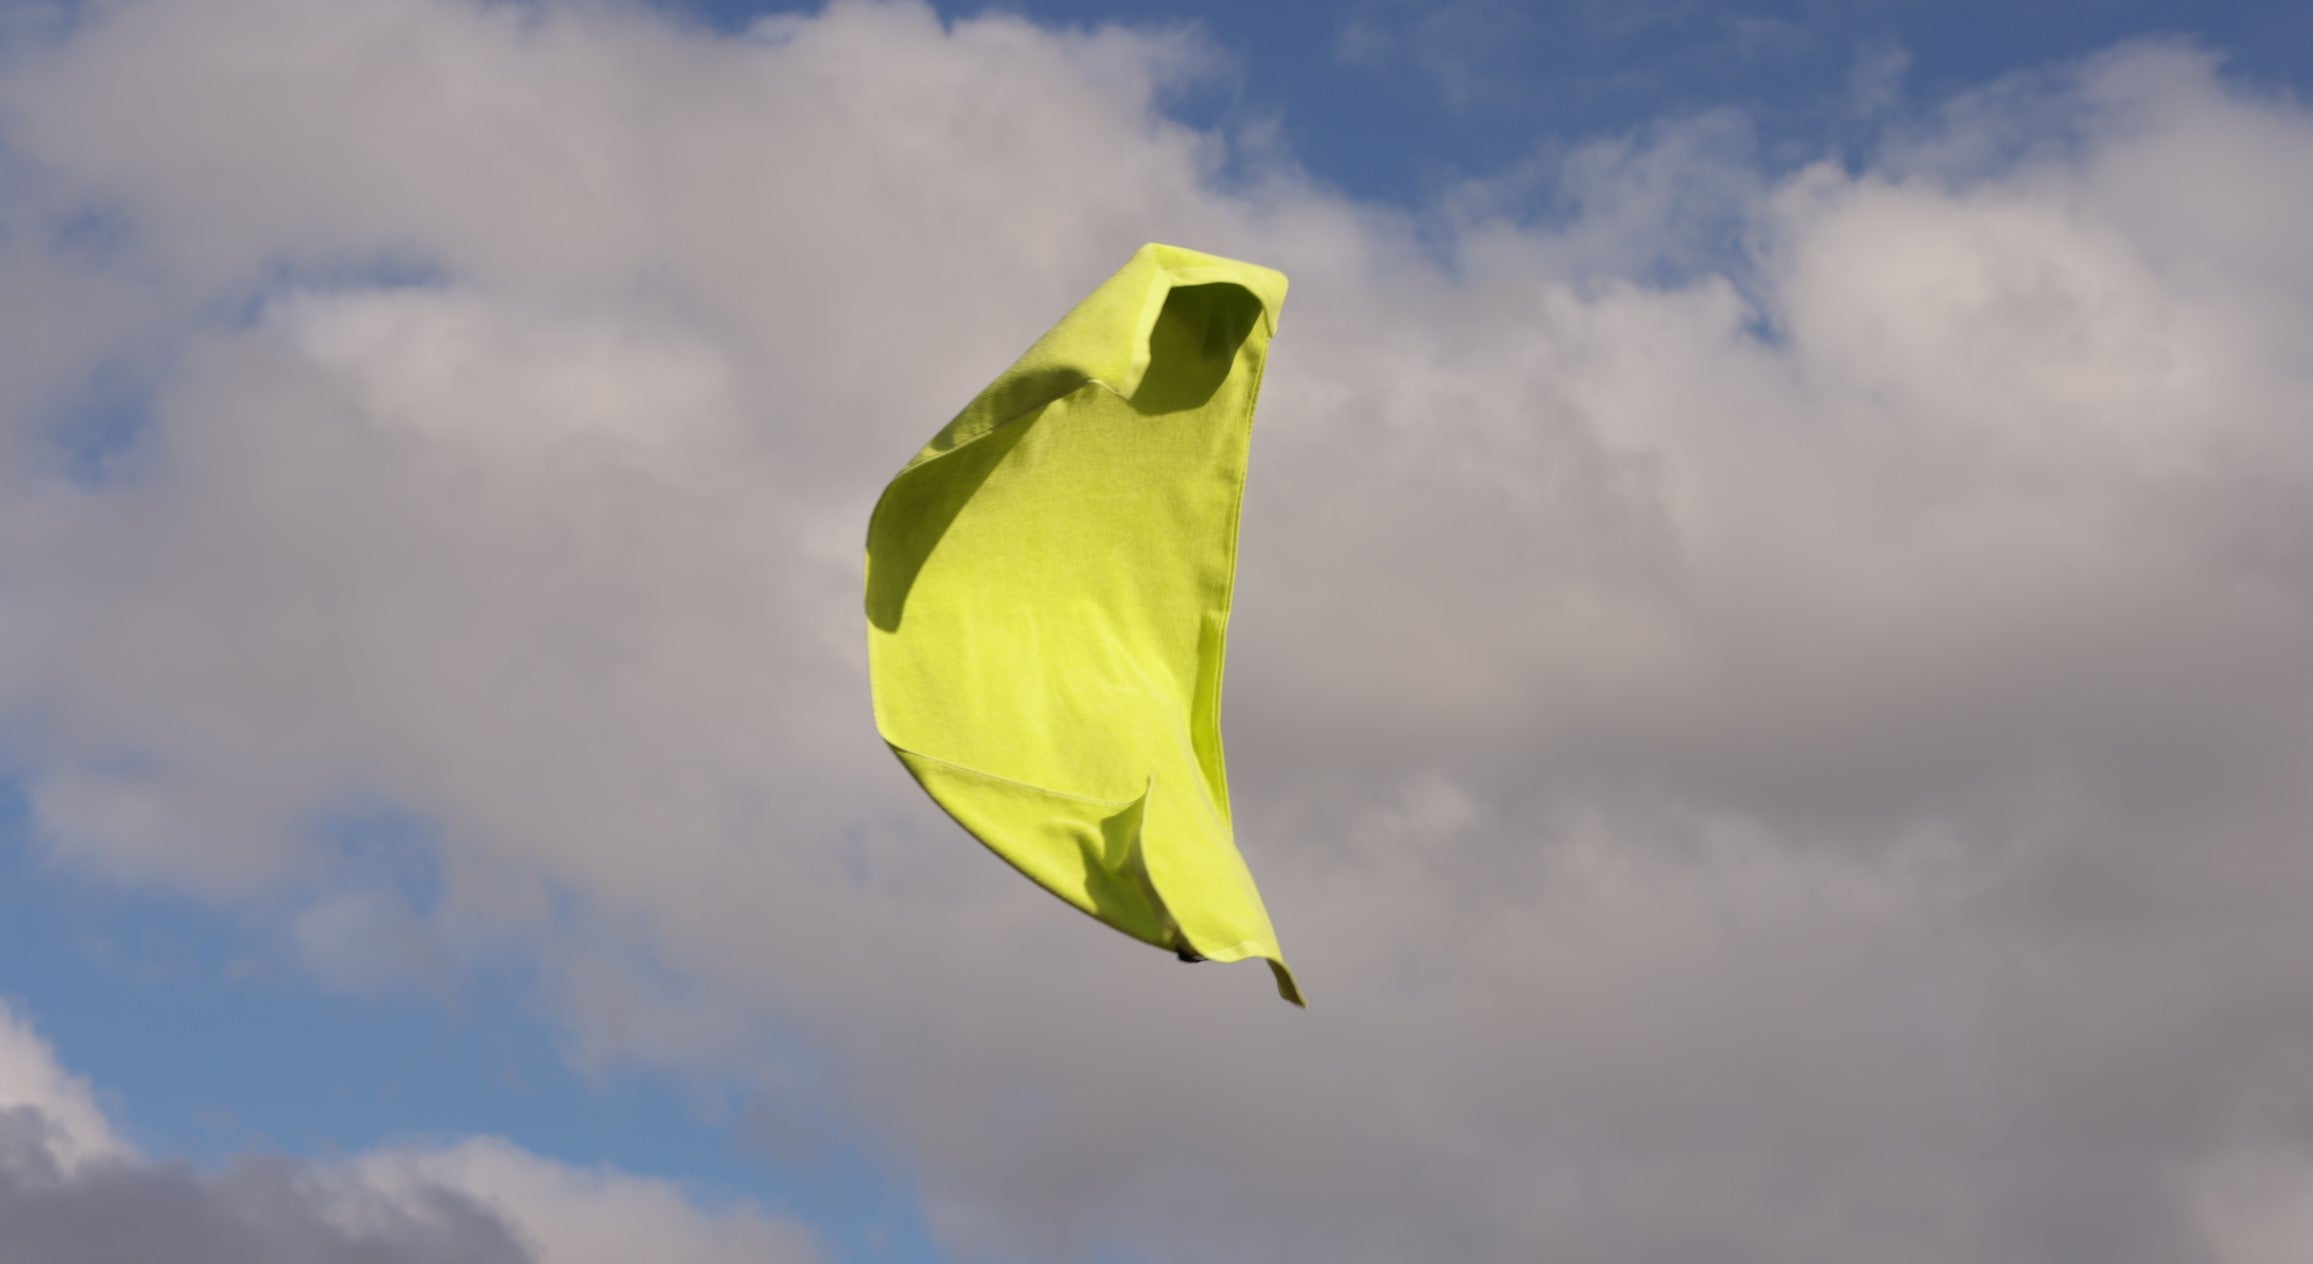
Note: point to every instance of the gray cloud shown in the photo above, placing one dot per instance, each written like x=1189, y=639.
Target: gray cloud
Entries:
x=71, y=1192
x=479, y=1202
x=256, y=1212
x=1774, y=734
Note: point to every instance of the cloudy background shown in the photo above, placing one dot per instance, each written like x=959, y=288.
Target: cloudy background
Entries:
x=1772, y=694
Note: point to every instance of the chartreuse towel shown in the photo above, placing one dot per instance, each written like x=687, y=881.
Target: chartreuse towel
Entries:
x=1048, y=588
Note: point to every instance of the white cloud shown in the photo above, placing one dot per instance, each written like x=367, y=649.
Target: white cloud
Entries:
x=74, y=1130
x=1773, y=734
x=573, y=1216
x=71, y=1192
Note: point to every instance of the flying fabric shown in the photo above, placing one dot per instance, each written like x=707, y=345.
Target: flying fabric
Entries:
x=1048, y=588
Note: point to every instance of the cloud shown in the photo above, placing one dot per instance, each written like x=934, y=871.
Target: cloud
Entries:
x=1875, y=77
x=255, y=1213
x=70, y=1193
x=1468, y=49
x=1774, y=734
x=359, y=940
x=35, y=1091
x=575, y=1216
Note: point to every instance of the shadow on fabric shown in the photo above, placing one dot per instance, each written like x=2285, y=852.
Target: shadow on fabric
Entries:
x=1192, y=348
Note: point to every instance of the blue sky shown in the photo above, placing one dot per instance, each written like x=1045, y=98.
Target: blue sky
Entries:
x=1392, y=100
x=213, y=1043
x=394, y=534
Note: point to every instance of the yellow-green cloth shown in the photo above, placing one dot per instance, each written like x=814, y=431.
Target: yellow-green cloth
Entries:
x=1048, y=588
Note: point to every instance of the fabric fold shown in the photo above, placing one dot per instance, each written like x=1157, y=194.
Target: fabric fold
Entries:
x=1048, y=592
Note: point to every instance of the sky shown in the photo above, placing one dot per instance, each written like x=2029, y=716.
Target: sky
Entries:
x=1768, y=697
